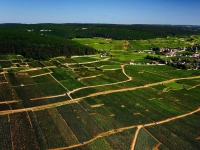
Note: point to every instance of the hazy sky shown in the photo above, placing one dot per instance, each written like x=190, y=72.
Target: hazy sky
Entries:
x=101, y=11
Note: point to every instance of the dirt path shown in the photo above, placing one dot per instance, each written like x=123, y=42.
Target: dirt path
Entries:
x=127, y=89
x=41, y=74
x=45, y=97
x=159, y=143
x=104, y=134
x=3, y=82
x=68, y=64
x=88, y=77
x=157, y=146
x=37, y=108
x=62, y=86
x=135, y=137
x=173, y=118
x=123, y=70
x=9, y=101
x=193, y=87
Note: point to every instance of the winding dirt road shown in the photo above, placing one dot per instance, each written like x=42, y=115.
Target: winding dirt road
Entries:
x=123, y=70
x=104, y=134
x=42, y=107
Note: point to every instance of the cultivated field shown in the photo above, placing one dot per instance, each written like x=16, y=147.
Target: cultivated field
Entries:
x=94, y=102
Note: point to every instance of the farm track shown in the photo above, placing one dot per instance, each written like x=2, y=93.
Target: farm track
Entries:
x=42, y=107
x=135, y=137
x=193, y=87
x=159, y=143
x=58, y=82
x=90, y=62
x=123, y=70
x=45, y=97
x=82, y=78
x=9, y=101
x=41, y=75
x=3, y=82
x=113, y=131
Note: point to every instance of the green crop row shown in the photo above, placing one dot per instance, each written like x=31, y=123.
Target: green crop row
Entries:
x=35, y=64
x=23, y=136
x=77, y=125
x=178, y=134
x=49, y=130
x=5, y=64
x=6, y=92
x=5, y=138
x=37, y=72
x=19, y=78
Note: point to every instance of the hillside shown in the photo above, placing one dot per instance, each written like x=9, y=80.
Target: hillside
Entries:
x=93, y=102
x=121, y=98
x=39, y=46
x=115, y=31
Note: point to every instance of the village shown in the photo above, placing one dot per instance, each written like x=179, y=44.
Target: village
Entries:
x=181, y=58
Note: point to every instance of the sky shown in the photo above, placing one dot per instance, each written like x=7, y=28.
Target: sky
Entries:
x=176, y=12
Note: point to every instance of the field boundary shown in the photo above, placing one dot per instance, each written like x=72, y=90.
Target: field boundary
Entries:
x=113, y=131
x=90, y=95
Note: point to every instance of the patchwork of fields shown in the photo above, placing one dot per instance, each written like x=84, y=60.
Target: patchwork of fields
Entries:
x=94, y=102
x=111, y=44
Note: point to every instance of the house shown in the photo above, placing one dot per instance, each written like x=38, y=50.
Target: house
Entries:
x=169, y=54
x=195, y=55
x=30, y=30
x=131, y=63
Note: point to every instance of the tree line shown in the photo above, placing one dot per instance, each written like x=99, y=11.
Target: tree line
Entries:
x=44, y=41
x=115, y=31
x=40, y=46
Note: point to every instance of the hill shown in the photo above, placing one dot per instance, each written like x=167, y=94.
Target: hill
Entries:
x=115, y=31
x=39, y=46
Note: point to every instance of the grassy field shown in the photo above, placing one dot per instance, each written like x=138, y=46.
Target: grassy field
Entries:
x=110, y=44
x=102, y=43
x=164, y=42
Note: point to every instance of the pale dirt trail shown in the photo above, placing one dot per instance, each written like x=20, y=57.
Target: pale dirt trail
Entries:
x=68, y=64
x=37, y=108
x=3, y=82
x=82, y=78
x=102, y=93
x=104, y=134
x=45, y=97
x=157, y=146
x=61, y=85
x=40, y=75
x=122, y=66
x=9, y=102
x=135, y=137
x=193, y=87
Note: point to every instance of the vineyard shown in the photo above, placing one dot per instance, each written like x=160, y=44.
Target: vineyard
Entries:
x=94, y=102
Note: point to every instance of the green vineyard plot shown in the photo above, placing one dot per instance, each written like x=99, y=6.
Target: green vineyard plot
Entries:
x=92, y=102
x=185, y=133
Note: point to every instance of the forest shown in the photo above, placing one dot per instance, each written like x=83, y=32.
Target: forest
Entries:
x=44, y=41
x=114, y=31
x=40, y=46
